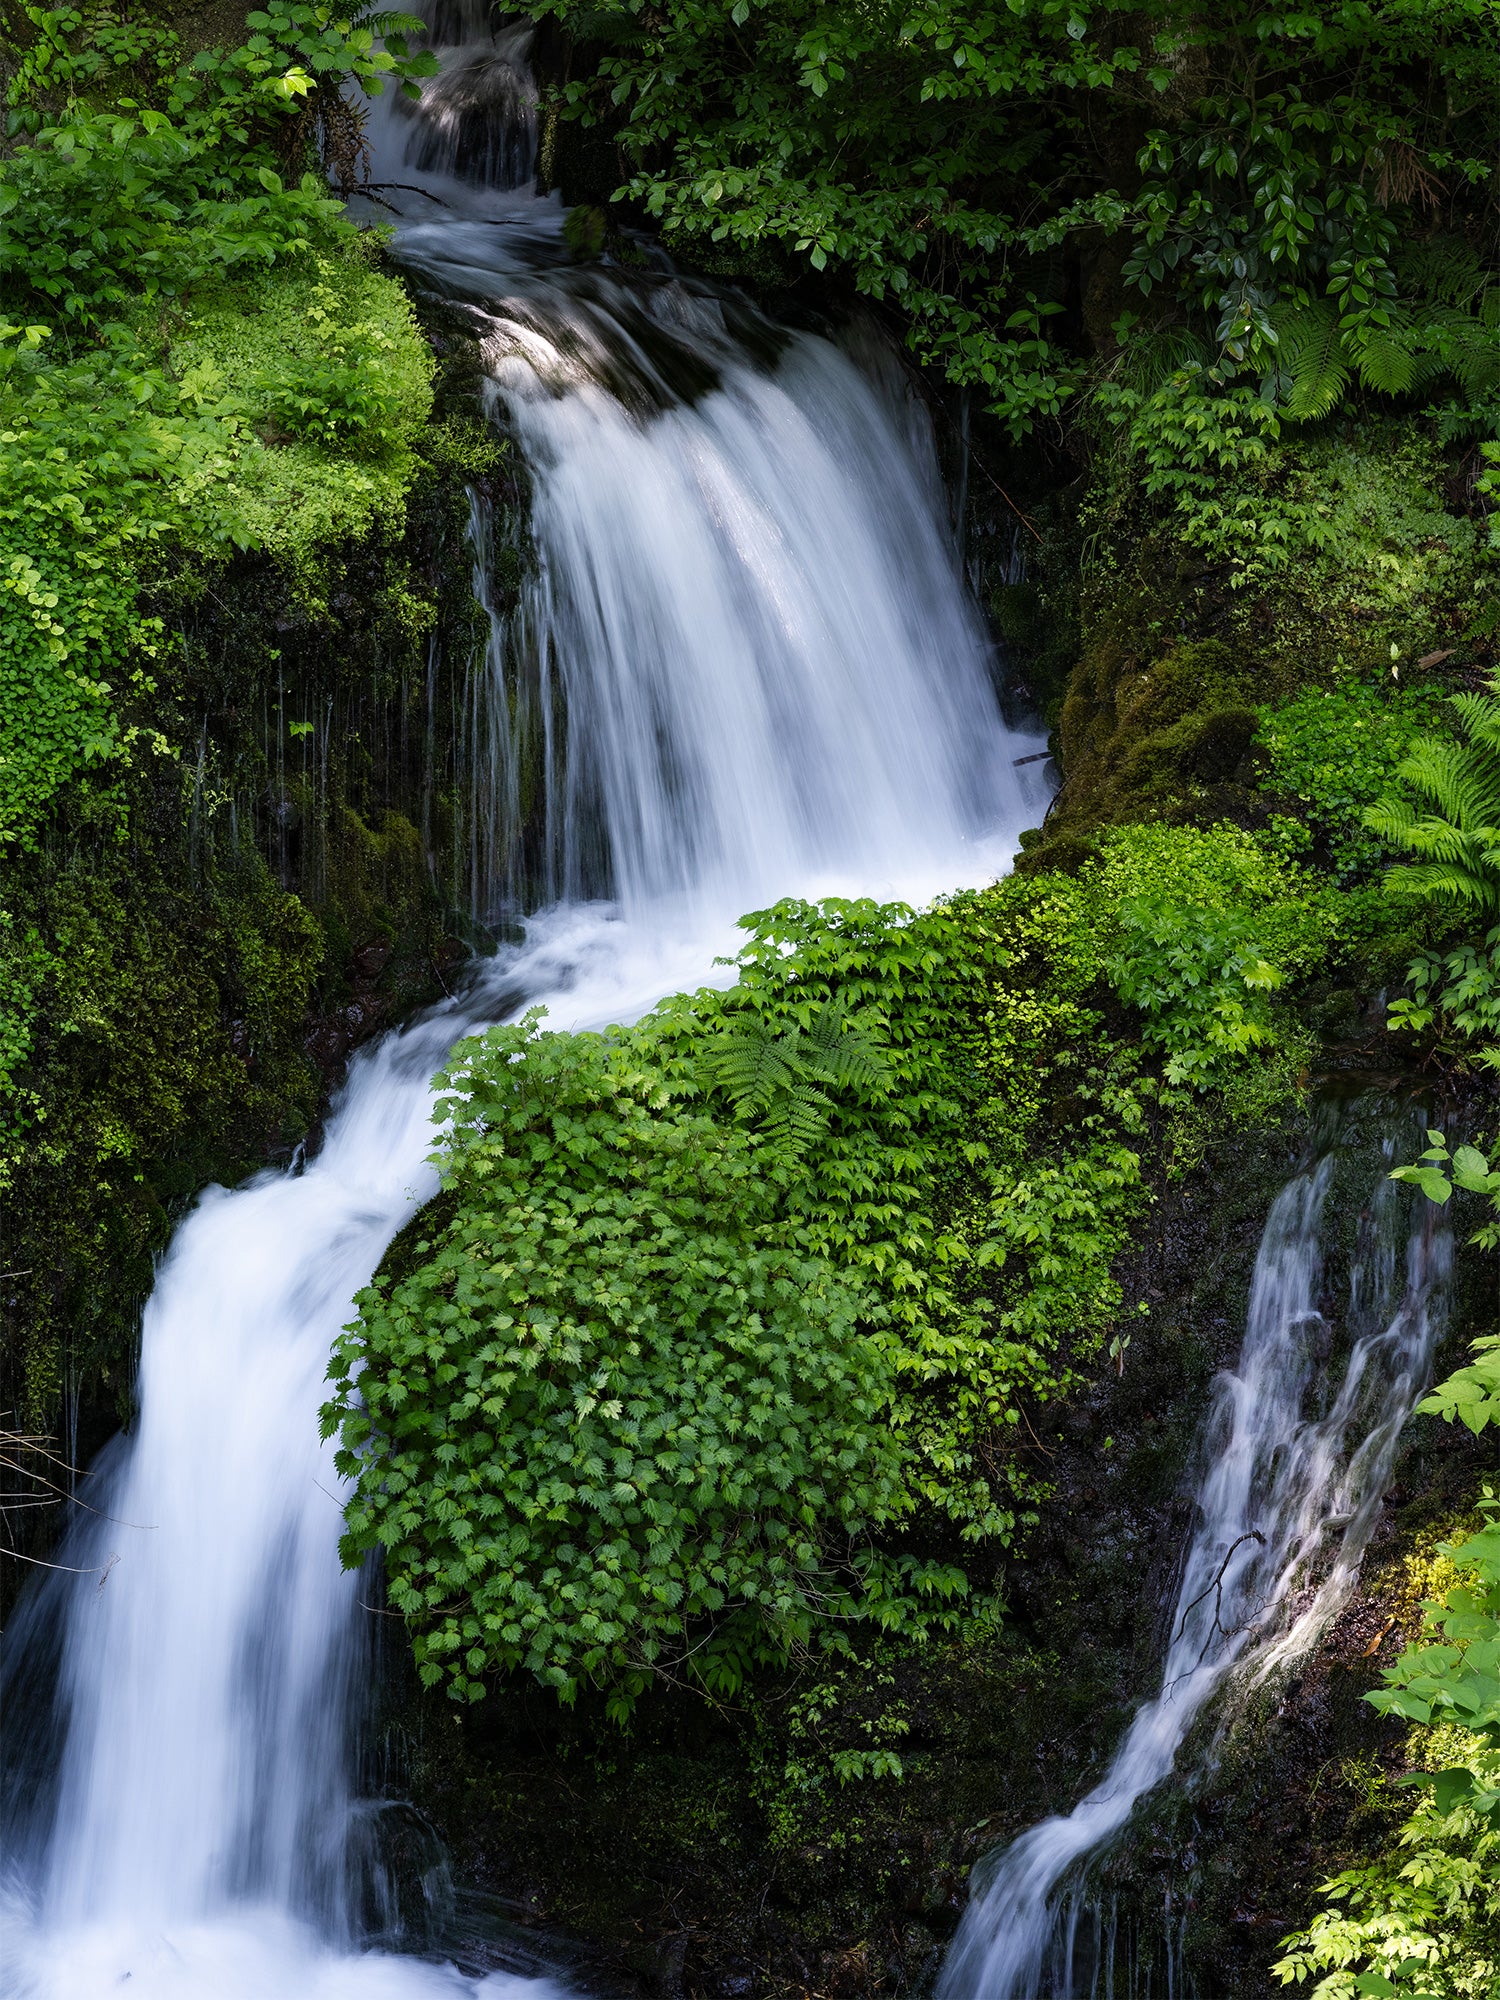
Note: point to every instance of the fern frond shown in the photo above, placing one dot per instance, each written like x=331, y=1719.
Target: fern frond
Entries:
x=1480, y=716
x=1435, y=839
x=1310, y=357
x=1459, y=842
x=1446, y=882
x=1462, y=780
x=1385, y=359
x=775, y=1077
x=797, y=1117
x=1453, y=342
x=1151, y=359
x=750, y=1065
x=1443, y=268
x=841, y=1050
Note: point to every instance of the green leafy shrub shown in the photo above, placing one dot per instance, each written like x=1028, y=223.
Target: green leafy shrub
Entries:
x=1290, y=204
x=652, y=1417
x=1335, y=563
x=802, y=1173
x=1454, y=993
x=198, y=355
x=1359, y=524
x=1437, y=1173
x=123, y=427
x=1200, y=981
x=723, y=1317
x=1458, y=841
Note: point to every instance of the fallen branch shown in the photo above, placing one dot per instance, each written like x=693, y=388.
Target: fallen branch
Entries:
x=1217, y=1587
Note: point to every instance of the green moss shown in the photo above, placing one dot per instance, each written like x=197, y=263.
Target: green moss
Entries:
x=1337, y=562
x=204, y=930
x=322, y=381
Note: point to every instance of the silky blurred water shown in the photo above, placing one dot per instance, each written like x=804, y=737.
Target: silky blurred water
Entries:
x=1285, y=1501
x=746, y=667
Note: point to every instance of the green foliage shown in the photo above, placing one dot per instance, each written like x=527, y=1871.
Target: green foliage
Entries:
x=197, y=356
x=1357, y=524
x=1336, y=563
x=835, y=1223
x=1296, y=920
x=848, y=1728
x=1488, y=485
x=722, y=1315
x=1291, y=201
x=1204, y=969
x=1398, y=350
x=1423, y=1922
x=1471, y=1394
x=1437, y=1173
x=776, y=1079
x=647, y=1414
x=87, y=53
x=1456, y=993
x=155, y=385
x=1458, y=841
x=1190, y=437
x=1200, y=981
x=1336, y=752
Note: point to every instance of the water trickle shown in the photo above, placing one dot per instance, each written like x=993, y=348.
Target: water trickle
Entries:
x=748, y=668
x=1286, y=1503
x=476, y=120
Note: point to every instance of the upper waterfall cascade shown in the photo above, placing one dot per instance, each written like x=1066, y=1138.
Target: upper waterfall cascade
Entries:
x=748, y=664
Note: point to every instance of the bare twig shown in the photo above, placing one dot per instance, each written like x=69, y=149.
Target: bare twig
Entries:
x=1217, y=1587
x=101, y=1570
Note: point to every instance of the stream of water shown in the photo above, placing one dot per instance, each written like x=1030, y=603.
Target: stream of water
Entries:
x=1293, y=1465
x=752, y=668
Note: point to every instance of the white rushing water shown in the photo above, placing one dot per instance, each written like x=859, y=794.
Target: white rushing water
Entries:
x=1286, y=1502
x=751, y=664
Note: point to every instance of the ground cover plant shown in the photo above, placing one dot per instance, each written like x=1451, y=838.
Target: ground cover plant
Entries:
x=725, y=1323
x=200, y=358
x=154, y=253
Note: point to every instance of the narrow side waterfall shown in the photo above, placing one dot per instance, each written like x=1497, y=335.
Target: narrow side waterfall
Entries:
x=753, y=670
x=1286, y=1502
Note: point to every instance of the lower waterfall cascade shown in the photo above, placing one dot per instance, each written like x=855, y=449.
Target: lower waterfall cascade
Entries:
x=1288, y=1494
x=775, y=684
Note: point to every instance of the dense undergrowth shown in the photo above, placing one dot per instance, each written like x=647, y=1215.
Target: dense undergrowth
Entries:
x=768, y=1276
x=1206, y=225
x=739, y=1355
x=197, y=356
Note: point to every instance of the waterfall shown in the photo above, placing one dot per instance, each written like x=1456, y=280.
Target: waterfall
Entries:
x=750, y=661
x=1285, y=1505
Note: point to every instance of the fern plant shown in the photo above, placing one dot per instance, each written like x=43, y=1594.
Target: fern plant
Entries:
x=1458, y=842
x=1395, y=350
x=778, y=1079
